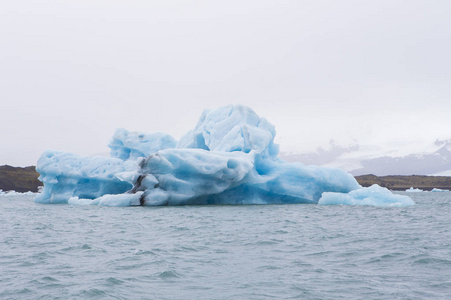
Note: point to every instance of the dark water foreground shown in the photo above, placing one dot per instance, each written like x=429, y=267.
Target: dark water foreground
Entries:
x=226, y=252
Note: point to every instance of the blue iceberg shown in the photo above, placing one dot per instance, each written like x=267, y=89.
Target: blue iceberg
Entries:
x=229, y=157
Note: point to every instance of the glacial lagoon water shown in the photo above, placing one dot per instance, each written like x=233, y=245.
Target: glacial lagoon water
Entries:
x=226, y=252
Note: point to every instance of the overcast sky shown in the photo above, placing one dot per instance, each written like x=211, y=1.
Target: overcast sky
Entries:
x=71, y=72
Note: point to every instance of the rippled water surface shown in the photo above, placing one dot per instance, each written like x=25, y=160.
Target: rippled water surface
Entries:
x=226, y=252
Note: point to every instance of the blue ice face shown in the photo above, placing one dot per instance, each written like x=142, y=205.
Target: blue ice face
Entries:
x=132, y=145
x=232, y=128
x=228, y=158
x=67, y=175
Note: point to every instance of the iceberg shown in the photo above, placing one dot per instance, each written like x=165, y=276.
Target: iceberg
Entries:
x=229, y=157
x=373, y=195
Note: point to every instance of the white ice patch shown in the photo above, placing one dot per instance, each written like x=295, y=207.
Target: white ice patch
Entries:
x=119, y=200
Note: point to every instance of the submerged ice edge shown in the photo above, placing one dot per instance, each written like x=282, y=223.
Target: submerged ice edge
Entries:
x=229, y=157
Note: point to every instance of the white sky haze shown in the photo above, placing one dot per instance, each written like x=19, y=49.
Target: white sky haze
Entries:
x=372, y=72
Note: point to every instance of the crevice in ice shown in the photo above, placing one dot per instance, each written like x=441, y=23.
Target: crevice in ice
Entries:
x=200, y=140
x=142, y=200
x=138, y=183
x=231, y=111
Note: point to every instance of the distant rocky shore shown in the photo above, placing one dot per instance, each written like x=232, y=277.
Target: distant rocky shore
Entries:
x=19, y=179
x=26, y=179
x=401, y=183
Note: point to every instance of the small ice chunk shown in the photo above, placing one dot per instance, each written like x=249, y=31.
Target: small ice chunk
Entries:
x=120, y=200
x=373, y=195
x=79, y=201
x=412, y=190
x=438, y=190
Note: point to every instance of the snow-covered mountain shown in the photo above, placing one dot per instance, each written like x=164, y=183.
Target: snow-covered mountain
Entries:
x=430, y=159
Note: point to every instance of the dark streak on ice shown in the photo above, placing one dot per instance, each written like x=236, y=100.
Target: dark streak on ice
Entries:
x=136, y=188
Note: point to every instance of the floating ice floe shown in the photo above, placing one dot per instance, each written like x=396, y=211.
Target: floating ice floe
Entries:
x=14, y=193
x=228, y=158
x=412, y=190
x=438, y=190
x=373, y=195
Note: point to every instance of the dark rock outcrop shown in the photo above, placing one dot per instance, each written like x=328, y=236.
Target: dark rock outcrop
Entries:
x=19, y=179
x=401, y=183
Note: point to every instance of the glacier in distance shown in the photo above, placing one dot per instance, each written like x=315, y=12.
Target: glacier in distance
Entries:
x=229, y=157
